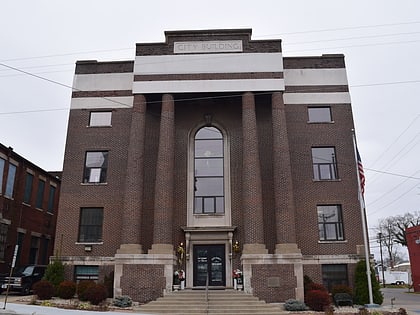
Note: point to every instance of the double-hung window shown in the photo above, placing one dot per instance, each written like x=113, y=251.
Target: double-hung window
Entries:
x=10, y=183
x=100, y=119
x=324, y=163
x=28, y=188
x=96, y=164
x=330, y=223
x=320, y=114
x=90, y=225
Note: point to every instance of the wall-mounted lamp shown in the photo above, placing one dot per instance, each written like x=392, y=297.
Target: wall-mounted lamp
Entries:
x=88, y=248
x=235, y=247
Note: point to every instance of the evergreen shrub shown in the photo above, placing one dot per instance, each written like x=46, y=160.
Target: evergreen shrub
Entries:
x=295, y=305
x=361, y=291
x=123, y=301
x=55, y=273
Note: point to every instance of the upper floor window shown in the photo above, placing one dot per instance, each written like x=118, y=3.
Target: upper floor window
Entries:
x=96, y=164
x=2, y=163
x=10, y=183
x=330, y=223
x=100, y=119
x=208, y=171
x=28, y=188
x=90, y=225
x=40, y=194
x=51, y=199
x=319, y=114
x=324, y=163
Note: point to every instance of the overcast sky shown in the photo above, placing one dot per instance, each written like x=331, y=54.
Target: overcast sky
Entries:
x=379, y=38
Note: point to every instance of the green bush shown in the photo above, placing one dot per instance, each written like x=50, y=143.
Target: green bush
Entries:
x=66, y=289
x=123, y=301
x=361, y=291
x=96, y=293
x=318, y=300
x=55, y=273
x=295, y=305
x=43, y=289
x=82, y=288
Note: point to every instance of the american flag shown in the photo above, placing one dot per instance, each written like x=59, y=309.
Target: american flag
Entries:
x=361, y=173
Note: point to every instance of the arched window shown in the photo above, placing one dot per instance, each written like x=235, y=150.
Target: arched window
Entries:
x=208, y=171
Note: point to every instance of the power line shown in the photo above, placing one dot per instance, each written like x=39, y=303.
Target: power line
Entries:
x=341, y=29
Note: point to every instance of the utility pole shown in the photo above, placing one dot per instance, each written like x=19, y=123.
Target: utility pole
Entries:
x=382, y=260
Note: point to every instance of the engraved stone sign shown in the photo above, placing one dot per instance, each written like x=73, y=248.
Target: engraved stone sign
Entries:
x=208, y=46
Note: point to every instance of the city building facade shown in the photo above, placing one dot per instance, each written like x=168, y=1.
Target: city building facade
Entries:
x=29, y=199
x=207, y=154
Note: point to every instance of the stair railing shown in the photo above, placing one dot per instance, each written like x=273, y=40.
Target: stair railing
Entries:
x=207, y=287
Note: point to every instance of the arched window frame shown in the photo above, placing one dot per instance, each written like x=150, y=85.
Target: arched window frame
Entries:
x=208, y=219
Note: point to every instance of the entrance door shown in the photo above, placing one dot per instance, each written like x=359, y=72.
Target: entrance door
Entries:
x=209, y=259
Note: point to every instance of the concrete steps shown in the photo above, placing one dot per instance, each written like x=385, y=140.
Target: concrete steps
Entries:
x=193, y=302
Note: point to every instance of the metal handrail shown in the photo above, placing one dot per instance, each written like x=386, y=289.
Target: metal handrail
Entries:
x=207, y=287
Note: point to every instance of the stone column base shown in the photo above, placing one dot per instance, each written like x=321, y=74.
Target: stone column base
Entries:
x=287, y=248
x=130, y=249
x=254, y=249
x=162, y=249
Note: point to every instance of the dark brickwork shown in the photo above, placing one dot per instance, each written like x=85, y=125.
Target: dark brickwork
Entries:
x=133, y=198
x=164, y=185
x=273, y=195
x=283, y=278
x=143, y=283
x=251, y=184
x=25, y=217
x=249, y=45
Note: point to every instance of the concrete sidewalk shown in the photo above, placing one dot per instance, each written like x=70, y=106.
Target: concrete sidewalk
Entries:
x=23, y=309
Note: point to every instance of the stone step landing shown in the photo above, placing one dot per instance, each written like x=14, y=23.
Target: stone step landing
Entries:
x=194, y=302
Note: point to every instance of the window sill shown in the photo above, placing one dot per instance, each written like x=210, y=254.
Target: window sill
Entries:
x=94, y=184
x=326, y=180
x=333, y=242
x=321, y=122
x=209, y=214
x=90, y=243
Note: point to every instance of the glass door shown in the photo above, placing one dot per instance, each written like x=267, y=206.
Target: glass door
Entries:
x=209, y=259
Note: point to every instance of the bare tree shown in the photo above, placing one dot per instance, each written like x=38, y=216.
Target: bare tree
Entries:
x=403, y=222
x=386, y=228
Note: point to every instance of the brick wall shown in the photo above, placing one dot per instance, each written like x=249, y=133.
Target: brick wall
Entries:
x=273, y=283
x=143, y=283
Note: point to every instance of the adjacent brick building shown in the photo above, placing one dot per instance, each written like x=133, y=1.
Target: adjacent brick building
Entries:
x=28, y=210
x=211, y=152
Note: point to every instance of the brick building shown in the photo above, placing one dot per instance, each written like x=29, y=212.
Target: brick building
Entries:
x=211, y=152
x=28, y=210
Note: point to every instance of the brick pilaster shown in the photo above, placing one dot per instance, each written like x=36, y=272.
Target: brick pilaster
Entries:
x=133, y=198
x=251, y=178
x=164, y=185
x=283, y=188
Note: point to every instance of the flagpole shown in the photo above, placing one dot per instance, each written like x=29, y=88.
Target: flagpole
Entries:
x=364, y=224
